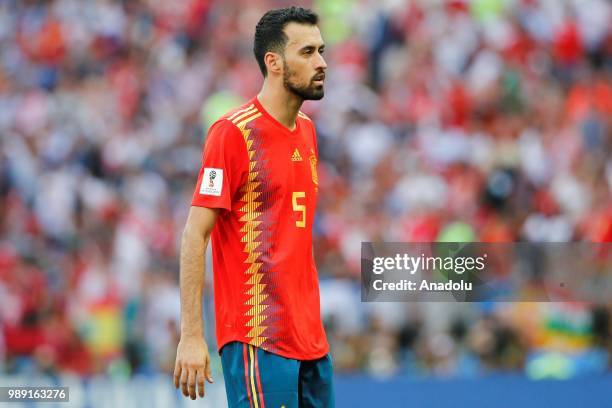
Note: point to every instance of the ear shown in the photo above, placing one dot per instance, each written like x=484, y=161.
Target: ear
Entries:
x=274, y=62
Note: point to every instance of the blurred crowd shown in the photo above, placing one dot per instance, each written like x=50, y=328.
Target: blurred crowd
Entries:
x=446, y=120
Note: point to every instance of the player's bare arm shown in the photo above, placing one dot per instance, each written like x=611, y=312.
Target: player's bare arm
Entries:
x=192, y=356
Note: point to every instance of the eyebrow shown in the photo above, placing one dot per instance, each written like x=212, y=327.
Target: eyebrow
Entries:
x=307, y=47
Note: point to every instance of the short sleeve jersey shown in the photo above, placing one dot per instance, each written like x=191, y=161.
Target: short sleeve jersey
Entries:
x=263, y=178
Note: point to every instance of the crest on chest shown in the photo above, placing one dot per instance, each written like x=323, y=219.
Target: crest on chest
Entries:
x=313, y=168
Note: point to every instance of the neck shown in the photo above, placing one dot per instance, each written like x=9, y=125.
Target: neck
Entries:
x=281, y=104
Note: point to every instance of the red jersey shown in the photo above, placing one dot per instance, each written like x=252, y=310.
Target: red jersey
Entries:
x=263, y=177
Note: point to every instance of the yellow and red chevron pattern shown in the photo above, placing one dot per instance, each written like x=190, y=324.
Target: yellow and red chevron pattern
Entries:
x=251, y=229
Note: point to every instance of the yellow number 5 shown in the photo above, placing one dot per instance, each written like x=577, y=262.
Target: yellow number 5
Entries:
x=299, y=207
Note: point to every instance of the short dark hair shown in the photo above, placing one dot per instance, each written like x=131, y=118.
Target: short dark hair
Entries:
x=269, y=35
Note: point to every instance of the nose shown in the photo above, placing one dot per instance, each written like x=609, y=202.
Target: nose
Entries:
x=320, y=63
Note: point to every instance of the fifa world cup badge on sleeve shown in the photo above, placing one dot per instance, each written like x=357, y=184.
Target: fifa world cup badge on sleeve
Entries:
x=212, y=182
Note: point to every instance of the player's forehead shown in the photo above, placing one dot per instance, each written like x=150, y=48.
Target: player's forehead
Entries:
x=302, y=35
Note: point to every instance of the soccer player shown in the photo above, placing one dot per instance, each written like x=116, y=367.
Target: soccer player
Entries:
x=255, y=196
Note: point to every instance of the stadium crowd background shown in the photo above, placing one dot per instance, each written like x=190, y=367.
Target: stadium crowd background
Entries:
x=487, y=120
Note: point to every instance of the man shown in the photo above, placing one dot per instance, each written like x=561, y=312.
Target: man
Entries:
x=256, y=196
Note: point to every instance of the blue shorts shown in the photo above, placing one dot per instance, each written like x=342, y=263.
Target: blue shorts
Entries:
x=255, y=378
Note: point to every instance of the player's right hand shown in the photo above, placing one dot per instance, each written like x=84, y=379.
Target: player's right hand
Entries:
x=192, y=366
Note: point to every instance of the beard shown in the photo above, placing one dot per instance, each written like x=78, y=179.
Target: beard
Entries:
x=308, y=92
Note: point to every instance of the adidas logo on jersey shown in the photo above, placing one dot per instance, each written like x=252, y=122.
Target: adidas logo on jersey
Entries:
x=296, y=156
